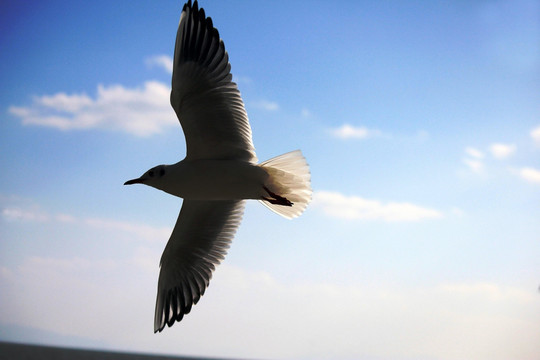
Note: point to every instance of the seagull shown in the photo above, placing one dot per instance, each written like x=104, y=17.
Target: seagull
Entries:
x=220, y=170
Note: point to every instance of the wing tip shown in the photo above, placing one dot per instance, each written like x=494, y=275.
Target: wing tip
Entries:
x=187, y=5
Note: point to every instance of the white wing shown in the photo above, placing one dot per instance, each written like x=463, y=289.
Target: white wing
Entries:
x=200, y=239
x=207, y=103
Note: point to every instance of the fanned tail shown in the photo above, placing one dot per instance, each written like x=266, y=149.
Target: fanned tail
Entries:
x=289, y=184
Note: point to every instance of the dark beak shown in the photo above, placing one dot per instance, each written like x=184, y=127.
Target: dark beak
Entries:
x=134, y=181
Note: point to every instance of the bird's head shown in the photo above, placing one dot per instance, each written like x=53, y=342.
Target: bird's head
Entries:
x=152, y=177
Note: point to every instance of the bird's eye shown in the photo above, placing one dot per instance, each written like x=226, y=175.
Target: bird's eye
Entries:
x=151, y=173
x=161, y=172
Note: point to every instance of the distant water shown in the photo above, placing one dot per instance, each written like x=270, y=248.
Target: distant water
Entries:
x=14, y=351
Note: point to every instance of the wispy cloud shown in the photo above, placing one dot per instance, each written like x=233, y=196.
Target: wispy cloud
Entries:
x=347, y=131
x=140, y=111
x=305, y=113
x=502, y=151
x=530, y=174
x=35, y=214
x=18, y=214
x=265, y=105
x=535, y=134
x=474, y=165
x=474, y=152
x=163, y=61
x=474, y=159
x=338, y=205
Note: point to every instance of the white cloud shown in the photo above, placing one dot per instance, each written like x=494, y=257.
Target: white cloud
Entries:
x=475, y=165
x=356, y=208
x=347, y=131
x=265, y=105
x=473, y=152
x=163, y=61
x=535, y=134
x=530, y=174
x=502, y=151
x=141, y=111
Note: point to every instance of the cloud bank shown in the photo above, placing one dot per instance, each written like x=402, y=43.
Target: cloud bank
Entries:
x=483, y=320
x=141, y=111
x=337, y=205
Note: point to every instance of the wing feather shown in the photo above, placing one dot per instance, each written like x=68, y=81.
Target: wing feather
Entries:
x=206, y=101
x=200, y=240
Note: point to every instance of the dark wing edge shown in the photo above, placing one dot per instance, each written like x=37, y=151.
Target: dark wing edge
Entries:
x=206, y=101
x=199, y=242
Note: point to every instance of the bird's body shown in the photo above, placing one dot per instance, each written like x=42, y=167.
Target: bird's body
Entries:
x=219, y=172
x=213, y=180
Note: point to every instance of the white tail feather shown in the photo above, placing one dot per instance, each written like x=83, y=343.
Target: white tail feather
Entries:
x=289, y=178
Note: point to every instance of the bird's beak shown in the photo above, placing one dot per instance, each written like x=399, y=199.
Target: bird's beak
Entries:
x=134, y=181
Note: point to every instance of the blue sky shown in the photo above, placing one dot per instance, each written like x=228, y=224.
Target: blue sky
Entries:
x=421, y=125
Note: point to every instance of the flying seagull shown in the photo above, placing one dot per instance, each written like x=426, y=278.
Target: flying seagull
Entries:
x=219, y=171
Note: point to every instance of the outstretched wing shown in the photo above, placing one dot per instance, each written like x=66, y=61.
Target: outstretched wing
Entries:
x=200, y=239
x=206, y=101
